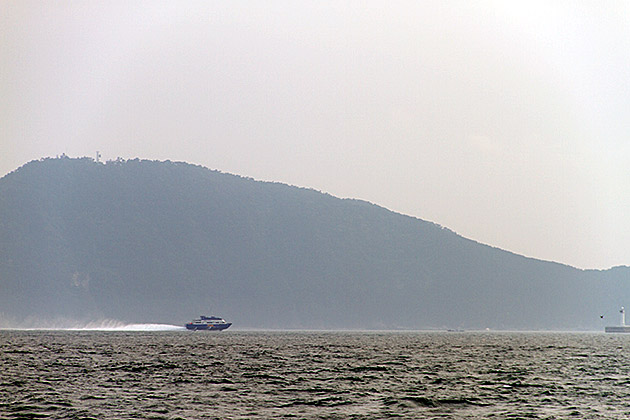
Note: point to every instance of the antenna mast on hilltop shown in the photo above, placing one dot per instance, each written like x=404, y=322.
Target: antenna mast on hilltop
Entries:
x=98, y=156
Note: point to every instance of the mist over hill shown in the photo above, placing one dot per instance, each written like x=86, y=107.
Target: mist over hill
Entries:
x=162, y=242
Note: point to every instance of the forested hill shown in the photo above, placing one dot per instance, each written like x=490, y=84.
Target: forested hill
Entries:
x=146, y=241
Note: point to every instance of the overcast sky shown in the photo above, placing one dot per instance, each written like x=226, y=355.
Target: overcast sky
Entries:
x=507, y=122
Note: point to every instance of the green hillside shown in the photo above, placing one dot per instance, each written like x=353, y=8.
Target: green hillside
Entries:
x=146, y=241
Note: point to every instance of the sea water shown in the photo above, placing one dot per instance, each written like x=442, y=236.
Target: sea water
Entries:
x=313, y=375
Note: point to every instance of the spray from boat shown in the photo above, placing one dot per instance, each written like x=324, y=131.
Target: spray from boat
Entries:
x=95, y=325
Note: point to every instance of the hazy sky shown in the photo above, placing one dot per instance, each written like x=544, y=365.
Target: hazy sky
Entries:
x=508, y=122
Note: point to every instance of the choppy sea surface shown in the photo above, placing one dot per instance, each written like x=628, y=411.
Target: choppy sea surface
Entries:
x=312, y=375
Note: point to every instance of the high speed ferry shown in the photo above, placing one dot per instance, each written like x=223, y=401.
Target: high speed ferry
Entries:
x=210, y=323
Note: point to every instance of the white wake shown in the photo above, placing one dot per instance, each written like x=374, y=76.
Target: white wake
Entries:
x=100, y=325
x=129, y=327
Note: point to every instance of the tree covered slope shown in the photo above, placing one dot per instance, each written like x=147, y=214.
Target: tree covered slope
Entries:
x=146, y=241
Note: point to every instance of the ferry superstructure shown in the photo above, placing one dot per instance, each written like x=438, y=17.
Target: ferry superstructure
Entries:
x=210, y=323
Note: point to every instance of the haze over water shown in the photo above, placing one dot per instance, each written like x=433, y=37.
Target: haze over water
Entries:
x=505, y=121
x=360, y=375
